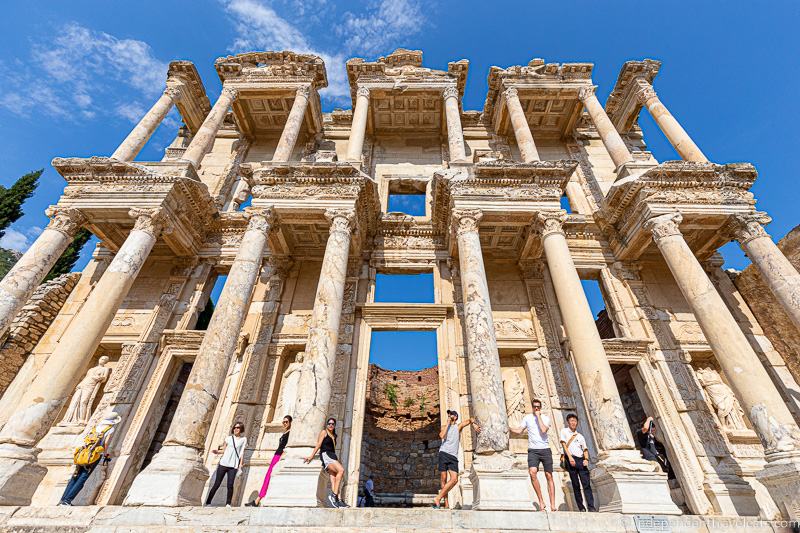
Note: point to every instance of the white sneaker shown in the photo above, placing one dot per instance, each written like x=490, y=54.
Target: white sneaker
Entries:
x=228, y=506
x=332, y=500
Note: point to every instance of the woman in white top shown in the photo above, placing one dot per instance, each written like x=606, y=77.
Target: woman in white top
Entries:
x=232, y=451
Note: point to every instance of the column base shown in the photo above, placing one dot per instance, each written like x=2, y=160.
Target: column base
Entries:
x=731, y=496
x=20, y=474
x=498, y=484
x=297, y=484
x=623, y=482
x=175, y=477
x=781, y=477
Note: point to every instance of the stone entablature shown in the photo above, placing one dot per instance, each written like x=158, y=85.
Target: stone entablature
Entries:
x=194, y=104
x=622, y=105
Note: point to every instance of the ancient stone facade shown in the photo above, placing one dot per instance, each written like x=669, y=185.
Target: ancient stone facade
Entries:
x=511, y=319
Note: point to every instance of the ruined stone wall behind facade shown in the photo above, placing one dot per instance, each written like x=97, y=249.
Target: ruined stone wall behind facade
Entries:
x=401, y=437
x=776, y=324
x=31, y=323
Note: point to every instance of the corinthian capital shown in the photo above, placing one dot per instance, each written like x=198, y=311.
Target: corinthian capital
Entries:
x=466, y=220
x=645, y=91
x=662, y=226
x=154, y=221
x=229, y=92
x=303, y=92
x=550, y=222
x=450, y=92
x=174, y=91
x=511, y=93
x=585, y=92
x=363, y=91
x=67, y=220
x=342, y=220
x=745, y=228
x=259, y=219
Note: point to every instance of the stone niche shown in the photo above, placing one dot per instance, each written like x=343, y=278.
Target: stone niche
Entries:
x=401, y=431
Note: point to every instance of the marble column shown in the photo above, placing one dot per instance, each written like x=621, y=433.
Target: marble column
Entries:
x=176, y=475
x=21, y=281
x=203, y=140
x=776, y=270
x=676, y=135
x=358, y=128
x=772, y=420
x=522, y=131
x=19, y=472
x=605, y=128
x=140, y=134
x=624, y=482
x=455, y=135
x=299, y=482
x=292, y=127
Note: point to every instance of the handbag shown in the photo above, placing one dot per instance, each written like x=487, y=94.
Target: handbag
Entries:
x=563, y=462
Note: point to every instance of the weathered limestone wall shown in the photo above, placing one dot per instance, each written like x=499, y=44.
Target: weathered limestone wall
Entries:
x=401, y=437
x=777, y=326
x=31, y=323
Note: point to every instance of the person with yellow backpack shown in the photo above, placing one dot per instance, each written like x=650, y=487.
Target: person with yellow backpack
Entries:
x=89, y=454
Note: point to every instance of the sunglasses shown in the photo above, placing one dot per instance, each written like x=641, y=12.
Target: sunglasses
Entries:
x=238, y=427
x=331, y=423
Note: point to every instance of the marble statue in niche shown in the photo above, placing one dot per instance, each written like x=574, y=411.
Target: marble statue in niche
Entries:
x=722, y=399
x=514, y=391
x=79, y=409
x=289, y=383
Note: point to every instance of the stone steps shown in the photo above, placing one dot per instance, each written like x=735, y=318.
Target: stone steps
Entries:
x=115, y=519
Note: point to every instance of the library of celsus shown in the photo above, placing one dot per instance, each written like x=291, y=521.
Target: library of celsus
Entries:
x=524, y=203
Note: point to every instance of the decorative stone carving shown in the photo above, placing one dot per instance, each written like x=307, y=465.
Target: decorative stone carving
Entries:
x=466, y=220
x=663, y=226
x=67, y=220
x=289, y=388
x=363, y=92
x=585, y=92
x=645, y=91
x=550, y=222
x=514, y=391
x=745, y=228
x=722, y=399
x=78, y=411
x=153, y=221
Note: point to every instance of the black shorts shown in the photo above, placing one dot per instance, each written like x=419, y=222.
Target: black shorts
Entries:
x=542, y=455
x=447, y=462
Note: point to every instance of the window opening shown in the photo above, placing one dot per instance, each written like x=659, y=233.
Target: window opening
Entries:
x=404, y=288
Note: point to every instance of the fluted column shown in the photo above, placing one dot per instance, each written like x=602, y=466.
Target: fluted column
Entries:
x=358, y=128
x=776, y=270
x=485, y=380
x=605, y=128
x=177, y=474
x=522, y=132
x=21, y=281
x=455, y=135
x=140, y=133
x=19, y=475
x=591, y=364
x=675, y=133
x=292, y=127
x=744, y=371
x=203, y=140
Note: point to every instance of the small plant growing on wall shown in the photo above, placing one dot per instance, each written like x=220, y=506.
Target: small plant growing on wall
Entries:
x=408, y=402
x=391, y=394
x=422, y=403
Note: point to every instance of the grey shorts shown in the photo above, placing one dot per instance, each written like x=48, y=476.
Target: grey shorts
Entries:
x=543, y=456
x=447, y=462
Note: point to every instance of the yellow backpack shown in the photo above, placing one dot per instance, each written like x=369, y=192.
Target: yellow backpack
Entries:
x=92, y=448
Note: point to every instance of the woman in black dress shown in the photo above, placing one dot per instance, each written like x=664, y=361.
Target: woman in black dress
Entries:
x=326, y=446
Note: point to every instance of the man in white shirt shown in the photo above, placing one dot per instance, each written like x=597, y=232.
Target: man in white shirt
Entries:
x=537, y=425
x=576, y=459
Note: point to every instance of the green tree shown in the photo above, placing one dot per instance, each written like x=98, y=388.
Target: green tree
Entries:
x=7, y=260
x=12, y=198
x=70, y=256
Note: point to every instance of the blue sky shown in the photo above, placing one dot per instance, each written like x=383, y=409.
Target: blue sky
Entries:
x=75, y=76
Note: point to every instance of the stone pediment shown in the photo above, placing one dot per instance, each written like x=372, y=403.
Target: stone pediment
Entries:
x=193, y=105
x=622, y=106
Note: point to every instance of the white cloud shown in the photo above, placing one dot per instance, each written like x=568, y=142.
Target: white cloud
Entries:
x=372, y=32
x=14, y=240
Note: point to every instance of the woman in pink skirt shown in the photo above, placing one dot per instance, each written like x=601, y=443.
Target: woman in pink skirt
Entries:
x=287, y=425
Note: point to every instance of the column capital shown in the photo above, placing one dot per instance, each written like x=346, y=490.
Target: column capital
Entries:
x=304, y=91
x=230, y=92
x=511, y=93
x=259, y=218
x=66, y=220
x=450, y=92
x=343, y=220
x=586, y=92
x=153, y=221
x=746, y=227
x=535, y=355
x=645, y=91
x=362, y=91
x=175, y=91
x=281, y=265
x=466, y=220
x=549, y=222
x=663, y=226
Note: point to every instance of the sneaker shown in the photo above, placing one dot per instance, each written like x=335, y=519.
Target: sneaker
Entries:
x=228, y=506
x=341, y=502
x=332, y=500
x=251, y=504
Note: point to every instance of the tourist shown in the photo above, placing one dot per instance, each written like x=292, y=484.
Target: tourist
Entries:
x=369, y=493
x=287, y=425
x=537, y=425
x=326, y=446
x=651, y=448
x=448, y=454
x=89, y=454
x=576, y=462
x=230, y=465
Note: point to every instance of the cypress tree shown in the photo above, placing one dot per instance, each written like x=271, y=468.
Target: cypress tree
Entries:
x=12, y=198
x=70, y=256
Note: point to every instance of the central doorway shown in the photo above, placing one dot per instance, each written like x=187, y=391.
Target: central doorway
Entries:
x=401, y=418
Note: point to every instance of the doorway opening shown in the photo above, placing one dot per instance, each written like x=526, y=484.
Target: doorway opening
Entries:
x=175, y=392
x=401, y=420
